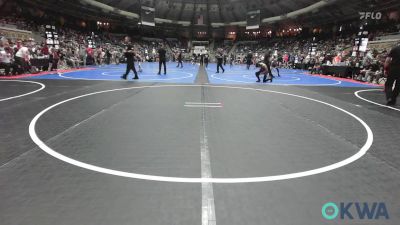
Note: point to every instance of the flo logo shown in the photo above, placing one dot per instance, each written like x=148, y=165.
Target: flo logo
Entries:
x=355, y=210
x=370, y=15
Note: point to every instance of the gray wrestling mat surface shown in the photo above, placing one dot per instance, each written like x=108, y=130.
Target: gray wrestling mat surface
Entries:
x=193, y=131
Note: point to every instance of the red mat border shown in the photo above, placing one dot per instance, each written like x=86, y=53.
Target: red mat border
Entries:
x=344, y=79
x=43, y=73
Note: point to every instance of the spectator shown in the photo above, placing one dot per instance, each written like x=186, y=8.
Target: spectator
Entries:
x=22, y=58
x=6, y=58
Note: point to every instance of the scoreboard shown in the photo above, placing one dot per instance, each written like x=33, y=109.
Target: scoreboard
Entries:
x=52, y=36
x=253, y=20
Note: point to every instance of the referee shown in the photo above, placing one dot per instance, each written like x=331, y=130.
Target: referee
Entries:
x=162, y=60
x=392, y=70
x=249, y=59
x=180, y=59
x=130, y=63
x=220, y=60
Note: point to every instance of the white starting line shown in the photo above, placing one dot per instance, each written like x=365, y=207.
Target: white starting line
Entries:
x=203, y=105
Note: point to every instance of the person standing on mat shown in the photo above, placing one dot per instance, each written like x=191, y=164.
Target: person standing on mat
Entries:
x=180, y=59
x=139, y=60
x=220, y=60
x=162, y=60
x=108, y=56
x=225, y=59
x=202, y=59
x=206, y=57
x=231, y=60
x=130, y=63
x=249, y=59
x=275, y=65
x=392, y=71
x=267, y=62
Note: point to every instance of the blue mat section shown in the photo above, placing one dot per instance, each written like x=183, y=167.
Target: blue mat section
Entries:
x=149, y=74
x=238, y=74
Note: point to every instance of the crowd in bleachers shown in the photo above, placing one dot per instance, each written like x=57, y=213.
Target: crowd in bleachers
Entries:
x=30, y=56
x=295, y=53
x=17, y=23
x=225, y=46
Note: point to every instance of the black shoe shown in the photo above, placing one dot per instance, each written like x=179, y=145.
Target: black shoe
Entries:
x=158, y=73
x=123, y=77
x=223, y=71
x=264, y=81
x=258, y=81
x=135, y=78
x=165, y=73
x=217, y=71
x=390, y=102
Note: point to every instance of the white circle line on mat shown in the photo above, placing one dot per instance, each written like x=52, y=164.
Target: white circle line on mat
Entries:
x=157, y=79
x=363, y=150
x=293, y=78
x=357, y=94
x=281, y=84
x=42, y=86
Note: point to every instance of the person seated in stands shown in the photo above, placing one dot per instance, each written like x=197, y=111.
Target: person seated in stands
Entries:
x=44, y=49
x=82, y=54
x=376, y=72
x=98, y=56
x=370, y=73
x=54, y=58
x=116, y=56
x=368, y=58
x=62, y=63
x=90, y=55
x=328, y=63
x=364, y=73
x=75, y=58
x=379, y=74
x=22, y=58
x=337, y=59
x=17, y=45
x=108, y=55
x=6, y=58
x=316, y=69
x=286, y=60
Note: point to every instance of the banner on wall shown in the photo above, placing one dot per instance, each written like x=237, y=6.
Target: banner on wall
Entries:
x=147, y=16
x=199, y=50
x=253, y=20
